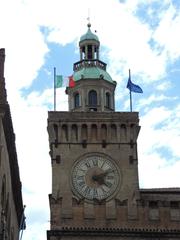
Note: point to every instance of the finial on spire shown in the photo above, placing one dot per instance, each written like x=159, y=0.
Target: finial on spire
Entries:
x=89, y=25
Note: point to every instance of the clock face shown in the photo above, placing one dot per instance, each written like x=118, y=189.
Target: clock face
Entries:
x=95, y=177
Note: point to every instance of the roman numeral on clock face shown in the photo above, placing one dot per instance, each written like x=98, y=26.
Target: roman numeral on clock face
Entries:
x=108, y=184
x=80, y=178
x=81, y=183
x=95, y=161
x=87, y=191
x=88, y=165
x=95, y=193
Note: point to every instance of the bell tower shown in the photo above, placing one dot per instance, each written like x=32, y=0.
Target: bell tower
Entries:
x=95, y=88
x=93, y=152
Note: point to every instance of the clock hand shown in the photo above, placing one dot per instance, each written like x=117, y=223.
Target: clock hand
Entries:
x=105, y=173
x=100, y=177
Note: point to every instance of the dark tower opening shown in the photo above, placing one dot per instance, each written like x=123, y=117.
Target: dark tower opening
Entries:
x=90, y=54
x=108, y=100
x=92, y=97
x=76, y=100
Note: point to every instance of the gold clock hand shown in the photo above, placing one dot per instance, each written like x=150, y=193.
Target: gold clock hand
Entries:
x=105, y=173
x=100, y=177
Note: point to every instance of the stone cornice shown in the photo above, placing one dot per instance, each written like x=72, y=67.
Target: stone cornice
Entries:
x=126, y=117
x=114, y=232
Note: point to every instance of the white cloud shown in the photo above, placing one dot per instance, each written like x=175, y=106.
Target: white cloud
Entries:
x=36, y=231
x=24, y=43
x=151, y=139
x=166, y=33
x=153, y=99
x=164, y=86
x=154, y=172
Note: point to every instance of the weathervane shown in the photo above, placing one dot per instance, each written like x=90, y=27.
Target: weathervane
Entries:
x=88, y=18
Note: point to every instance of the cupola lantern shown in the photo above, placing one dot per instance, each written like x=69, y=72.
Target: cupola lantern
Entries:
x=94, y=87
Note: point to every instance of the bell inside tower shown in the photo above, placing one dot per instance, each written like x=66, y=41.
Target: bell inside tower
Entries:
x=90, y=55
x=89, y=52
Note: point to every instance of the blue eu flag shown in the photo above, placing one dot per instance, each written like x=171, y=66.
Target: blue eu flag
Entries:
x=133, y=87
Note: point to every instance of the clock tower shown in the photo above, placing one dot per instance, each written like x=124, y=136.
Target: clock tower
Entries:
x=93, y=151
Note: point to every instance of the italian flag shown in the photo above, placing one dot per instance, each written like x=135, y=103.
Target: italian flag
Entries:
x=61, y=81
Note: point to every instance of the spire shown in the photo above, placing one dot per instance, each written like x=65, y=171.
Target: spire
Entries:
x=90, y=66
x=89, y=35
x=3, y=96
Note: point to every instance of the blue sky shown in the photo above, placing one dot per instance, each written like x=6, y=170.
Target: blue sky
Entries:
x=142, y=35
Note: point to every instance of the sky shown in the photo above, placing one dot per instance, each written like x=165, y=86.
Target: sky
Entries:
x=141, y=35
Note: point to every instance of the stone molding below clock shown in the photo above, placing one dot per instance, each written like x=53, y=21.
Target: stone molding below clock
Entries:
x=111, y=209
x=89, y=211
x=66, y=211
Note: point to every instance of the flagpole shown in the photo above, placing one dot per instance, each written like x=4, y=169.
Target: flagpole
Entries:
x=22, y=224
x=130, y=95
x=54, y=89
x=130, y=100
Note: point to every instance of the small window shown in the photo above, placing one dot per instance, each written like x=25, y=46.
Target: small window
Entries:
x=93, y=98
x=76, y=100
x=153, y=204
x=174, y=204
x=108, y=100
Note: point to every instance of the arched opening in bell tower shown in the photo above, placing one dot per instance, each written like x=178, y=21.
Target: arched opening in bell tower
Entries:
x=76, y=100
x=108, y=100
x=92, y=97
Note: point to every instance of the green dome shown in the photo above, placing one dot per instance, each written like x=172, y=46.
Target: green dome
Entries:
x=89, y=35
x=92, y=73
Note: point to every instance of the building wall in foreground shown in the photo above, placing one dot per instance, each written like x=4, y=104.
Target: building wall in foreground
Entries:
x=11, y=206
x=9, y=226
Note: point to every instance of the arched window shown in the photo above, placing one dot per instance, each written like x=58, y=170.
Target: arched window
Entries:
x=103, y=132
x=93, y=98
x=94, y=132
x=84, y=132
x=108, y=100
x=55, y=132
x=76, y=100
x=64, y=132
x=113, y=132
x=74, y=132
x=123, y=132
